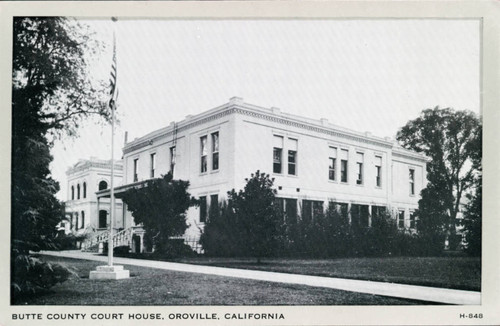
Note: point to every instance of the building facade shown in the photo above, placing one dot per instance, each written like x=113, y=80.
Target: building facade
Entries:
x=313, y=163
x=84, y=211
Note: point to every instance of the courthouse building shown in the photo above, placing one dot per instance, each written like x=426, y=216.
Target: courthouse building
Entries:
x=313, y=163
x=84, y=212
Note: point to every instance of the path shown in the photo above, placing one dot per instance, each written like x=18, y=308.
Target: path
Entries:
x=422, y=293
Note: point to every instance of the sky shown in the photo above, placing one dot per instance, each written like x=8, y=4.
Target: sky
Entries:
x=365, y=75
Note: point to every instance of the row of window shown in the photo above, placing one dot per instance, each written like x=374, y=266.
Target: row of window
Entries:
x=102, y=185
x=359, y=213
x=313, y=208
x=334, y=155
x=292, y=148
x=75, y=222
x=152, y=165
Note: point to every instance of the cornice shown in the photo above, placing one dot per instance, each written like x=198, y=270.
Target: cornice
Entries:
x=89, y=164
x=268, y=115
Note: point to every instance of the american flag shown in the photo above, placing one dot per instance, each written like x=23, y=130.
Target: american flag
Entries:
x=113, y=92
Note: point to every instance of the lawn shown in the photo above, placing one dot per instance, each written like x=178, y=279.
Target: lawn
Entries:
x=462, y=273
x=149, y=286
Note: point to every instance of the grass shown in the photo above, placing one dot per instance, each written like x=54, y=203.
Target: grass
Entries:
x=149, y=286
x=462, y=273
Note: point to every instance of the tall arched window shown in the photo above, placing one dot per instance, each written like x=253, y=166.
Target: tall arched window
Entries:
x=103, y=215
x=72, y=192
x=83, y=219
x=84, y=190
x=76, y=221
x=103, y=185
x=78, y=191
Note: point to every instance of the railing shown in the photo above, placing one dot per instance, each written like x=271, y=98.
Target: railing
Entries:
x=122, y=238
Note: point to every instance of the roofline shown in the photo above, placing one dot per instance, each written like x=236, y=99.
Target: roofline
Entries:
x=236, y=105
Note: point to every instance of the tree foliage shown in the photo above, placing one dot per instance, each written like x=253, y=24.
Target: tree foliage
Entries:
x=51, y=95
x=249, y=223
x=160, y=206
x=451, y=139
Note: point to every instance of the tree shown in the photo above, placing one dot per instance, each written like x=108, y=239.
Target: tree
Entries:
x=160, y=205
x=257, y=215
x=51, y=95
x=250, y=222
x=473, y=209
x=450, y=139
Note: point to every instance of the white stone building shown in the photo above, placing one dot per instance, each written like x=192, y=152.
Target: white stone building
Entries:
x=312, y=161
x=84, y=211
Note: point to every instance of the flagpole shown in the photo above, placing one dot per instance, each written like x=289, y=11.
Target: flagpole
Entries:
x=112, y=105
x=110, y=272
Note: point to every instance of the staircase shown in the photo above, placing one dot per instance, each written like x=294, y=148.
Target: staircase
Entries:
x=122, y=238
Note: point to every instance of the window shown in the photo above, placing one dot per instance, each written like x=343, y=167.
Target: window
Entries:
x=203, y=145
x=311, y=209
x=378, y=171
x=72, y=192
x=412, y=181
x=413, y=222
x=287, y=207
x=76, y=221
x=292, y=156
x=360, y=215
x=203, y=209
x=401, y=219
x=359, y=163
x=103, y=215
x=153, y=165
x=84, y=190
x=332, y=163
x=277, y=153
x=136, y=166
x=83, y=219
x=378, y=211
x=214, y=204
x=215, y=151
x=103, y=185
x=78, y=191
x=172, y=159
x=343, y=165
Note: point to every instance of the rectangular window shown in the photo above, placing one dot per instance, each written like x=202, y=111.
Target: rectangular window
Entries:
x=378, y=171
x=359, y=163
x=136, y=166
x=203, y=209
x=277, y=153
x=332, y=163
x=153, y=165
x=360, y=215
x=292, y=156
x=287, y=207
x=215, y=151
x=343, y=165
x=412, y=181
x=214, y=204
x=413, y=222
x=172, y=159
x=291, y=209
x=401, y=219
x=203, y=150
x=311, y=209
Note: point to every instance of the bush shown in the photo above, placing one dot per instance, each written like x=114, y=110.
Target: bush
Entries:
x=68, y=241
x=34, y=276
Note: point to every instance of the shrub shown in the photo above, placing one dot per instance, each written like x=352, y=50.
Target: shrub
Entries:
x=34, y=276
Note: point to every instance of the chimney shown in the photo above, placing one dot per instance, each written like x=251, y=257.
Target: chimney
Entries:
x=126, y=138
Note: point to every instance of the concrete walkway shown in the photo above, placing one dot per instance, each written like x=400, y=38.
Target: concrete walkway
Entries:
x=414, y=292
